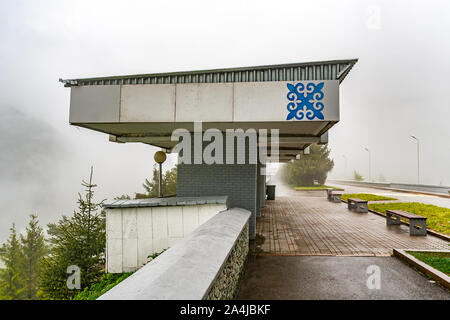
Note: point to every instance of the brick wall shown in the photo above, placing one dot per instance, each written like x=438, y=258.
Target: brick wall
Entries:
x=237, y=181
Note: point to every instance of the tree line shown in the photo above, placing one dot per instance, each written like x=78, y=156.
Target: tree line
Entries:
x=37, y=266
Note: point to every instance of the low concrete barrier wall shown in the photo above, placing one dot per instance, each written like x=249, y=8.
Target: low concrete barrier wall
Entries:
x=207, y=264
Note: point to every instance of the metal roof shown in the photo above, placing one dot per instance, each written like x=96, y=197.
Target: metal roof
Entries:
x=321, y=70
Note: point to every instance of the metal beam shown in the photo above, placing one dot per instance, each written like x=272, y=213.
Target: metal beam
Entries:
x=293, y=151
x=292, y=140
x=159, y=139
x=143, y=139
x=323, y=139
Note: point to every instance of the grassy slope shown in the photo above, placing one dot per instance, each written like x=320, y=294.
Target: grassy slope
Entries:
x=437, y=260
x=365, y=196
x=438, y=217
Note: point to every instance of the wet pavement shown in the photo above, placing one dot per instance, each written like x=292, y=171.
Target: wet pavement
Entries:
x=309, y=248
x=316, y=277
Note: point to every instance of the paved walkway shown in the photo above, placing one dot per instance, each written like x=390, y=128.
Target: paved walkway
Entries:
x=312, y=277
x=305, y=223
x=310, y=248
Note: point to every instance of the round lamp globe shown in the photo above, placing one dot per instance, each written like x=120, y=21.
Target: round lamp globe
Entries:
x=160, y=157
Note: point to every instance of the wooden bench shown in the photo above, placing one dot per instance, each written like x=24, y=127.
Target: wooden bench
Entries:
x=417, y=224
x=335, y=196
x=329, y=191
x=357, y=204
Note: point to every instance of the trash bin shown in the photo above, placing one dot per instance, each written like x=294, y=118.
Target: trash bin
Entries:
x=270, y=192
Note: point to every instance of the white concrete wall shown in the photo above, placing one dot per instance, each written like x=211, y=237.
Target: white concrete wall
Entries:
x=190, y=268
x=132, y=234
x=207, y=102
x=94, y=104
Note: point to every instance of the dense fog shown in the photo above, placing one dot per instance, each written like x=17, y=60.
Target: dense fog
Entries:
x=398, y=88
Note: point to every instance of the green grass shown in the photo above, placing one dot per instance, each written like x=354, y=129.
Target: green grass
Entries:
x=437, y=260
x=316, y=187
x=108, y=281
x=438, y=217
x=365, y=196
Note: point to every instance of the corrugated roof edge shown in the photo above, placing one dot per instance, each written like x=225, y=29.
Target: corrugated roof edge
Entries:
x=341, y=76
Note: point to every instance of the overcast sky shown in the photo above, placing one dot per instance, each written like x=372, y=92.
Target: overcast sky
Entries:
x=399, y=87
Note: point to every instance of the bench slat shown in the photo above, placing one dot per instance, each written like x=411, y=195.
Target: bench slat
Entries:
x=405, y=214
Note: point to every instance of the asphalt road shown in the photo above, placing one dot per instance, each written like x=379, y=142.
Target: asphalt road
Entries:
x=342, y=278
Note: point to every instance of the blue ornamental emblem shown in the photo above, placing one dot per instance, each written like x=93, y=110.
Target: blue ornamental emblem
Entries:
x=305, y=101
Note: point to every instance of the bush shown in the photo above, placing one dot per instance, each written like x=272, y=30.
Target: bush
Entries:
x=107, y=282
x=357, y=176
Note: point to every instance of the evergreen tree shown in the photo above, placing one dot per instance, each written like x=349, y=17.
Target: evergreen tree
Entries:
x=169, y=184
x=33, y=250
x=78, y=240
x=357, y=176
x=123, y=197
x=310, y=167
x=151, y=186
x=170, y=181
x=11, y=280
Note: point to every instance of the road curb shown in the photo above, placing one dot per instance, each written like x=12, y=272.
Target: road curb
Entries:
x=437, y=275
x=395, y=189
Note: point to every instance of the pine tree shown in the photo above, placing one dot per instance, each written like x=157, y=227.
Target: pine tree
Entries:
x=151, y=186
x=169, y=184
x=310, y=167
x=11, y=280
x=34, y=249
x=78, y=240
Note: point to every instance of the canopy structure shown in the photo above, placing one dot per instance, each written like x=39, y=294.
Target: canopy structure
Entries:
x=298, y=102
x=148, y=107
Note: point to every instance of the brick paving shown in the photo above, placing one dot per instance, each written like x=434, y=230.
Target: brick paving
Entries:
x=305, y=223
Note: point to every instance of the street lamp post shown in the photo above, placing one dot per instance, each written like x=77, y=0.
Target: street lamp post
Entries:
x=370, y=171
x=160, y=157
x=345, y=168
x=418, y=166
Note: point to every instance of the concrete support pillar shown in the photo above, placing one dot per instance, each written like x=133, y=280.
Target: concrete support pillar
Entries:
x=263, y=186
x=259, y=190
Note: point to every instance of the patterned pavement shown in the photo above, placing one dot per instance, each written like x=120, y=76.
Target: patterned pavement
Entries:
x=305, y=223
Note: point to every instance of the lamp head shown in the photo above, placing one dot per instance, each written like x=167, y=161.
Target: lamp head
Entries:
x=160, y=157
